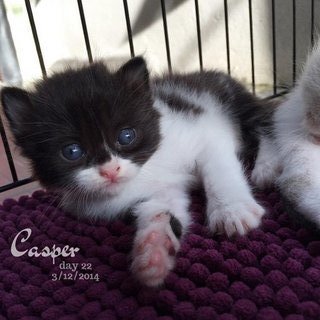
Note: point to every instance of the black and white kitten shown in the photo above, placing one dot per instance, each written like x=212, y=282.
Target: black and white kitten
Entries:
x=290, y=155
x=110, y=141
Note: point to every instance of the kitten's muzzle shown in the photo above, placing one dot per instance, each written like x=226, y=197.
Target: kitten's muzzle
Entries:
x=111, y=174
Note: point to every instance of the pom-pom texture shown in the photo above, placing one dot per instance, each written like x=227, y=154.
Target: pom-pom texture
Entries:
x=272, y=273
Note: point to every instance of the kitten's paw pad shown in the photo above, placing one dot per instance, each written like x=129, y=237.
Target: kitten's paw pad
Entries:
x=236, y=218
x=264, y=174
x=154, y=251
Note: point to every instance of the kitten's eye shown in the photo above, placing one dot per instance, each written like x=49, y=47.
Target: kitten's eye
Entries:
x=126, y=136
x=72, y=151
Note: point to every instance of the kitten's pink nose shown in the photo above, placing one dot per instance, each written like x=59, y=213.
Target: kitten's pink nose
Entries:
x=110, y=174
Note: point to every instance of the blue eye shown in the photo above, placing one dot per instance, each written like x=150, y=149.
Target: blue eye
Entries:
x=126, y=136
x=72, y=152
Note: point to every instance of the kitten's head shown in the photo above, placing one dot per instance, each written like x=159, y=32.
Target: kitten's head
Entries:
x=88, y=131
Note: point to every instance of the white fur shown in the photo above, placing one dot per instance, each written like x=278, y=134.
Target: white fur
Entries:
x=267, y=166
x=291, y=158
x=90, y=178
x=202, y=146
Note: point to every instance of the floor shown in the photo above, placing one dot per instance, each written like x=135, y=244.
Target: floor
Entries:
x=22, y=169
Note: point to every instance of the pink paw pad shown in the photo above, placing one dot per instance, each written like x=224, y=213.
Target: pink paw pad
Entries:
x=153, y=252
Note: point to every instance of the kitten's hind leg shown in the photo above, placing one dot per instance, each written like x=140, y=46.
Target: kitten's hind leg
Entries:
x=267, y=165
x=160, y=225
x=231, y=207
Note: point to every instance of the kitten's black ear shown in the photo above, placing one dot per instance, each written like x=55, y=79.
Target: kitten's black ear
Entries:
x=16, y=106
x=135, y=73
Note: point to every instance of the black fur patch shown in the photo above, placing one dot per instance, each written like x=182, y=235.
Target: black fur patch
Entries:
x=175, y=226
x=88, y=106
x=178, y=104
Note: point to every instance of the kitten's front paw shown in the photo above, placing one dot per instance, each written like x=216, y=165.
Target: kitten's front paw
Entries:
x=239, y=217
x=154, y=251
x=302, y=193
x=264, y=174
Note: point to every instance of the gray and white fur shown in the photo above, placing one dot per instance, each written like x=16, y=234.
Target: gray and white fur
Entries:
x=290, y=155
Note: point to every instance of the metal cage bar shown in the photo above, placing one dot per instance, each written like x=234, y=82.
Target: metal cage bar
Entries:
x=253, y=83
x=294, y=45
x=8, y=152
x=166, y=35
x=274, y=49
x=312, y=23
x=226, y=23
x=16, y=184
x=129, y=31
x=196, y=4
x=85, y=30
x=35, y=37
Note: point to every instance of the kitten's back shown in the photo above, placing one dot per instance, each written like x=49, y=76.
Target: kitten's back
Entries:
x=249, y=114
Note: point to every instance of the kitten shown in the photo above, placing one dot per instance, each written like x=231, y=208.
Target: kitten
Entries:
x=290, y=155
x=111, y=141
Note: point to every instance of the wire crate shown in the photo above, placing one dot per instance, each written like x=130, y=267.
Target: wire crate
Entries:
x=301, y=38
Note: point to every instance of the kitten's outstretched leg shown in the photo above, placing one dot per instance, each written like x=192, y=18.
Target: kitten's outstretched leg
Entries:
x=267, y=164
x=160, y=224
x=154, y=250
x=231, y=207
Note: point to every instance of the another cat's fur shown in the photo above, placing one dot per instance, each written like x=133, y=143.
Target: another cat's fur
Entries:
x=290, y=155
x=188, y=128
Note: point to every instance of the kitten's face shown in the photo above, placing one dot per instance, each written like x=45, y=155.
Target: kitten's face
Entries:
x=87, y=132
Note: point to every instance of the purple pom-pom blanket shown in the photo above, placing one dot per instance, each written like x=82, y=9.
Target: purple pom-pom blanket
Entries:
x=83, y=271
